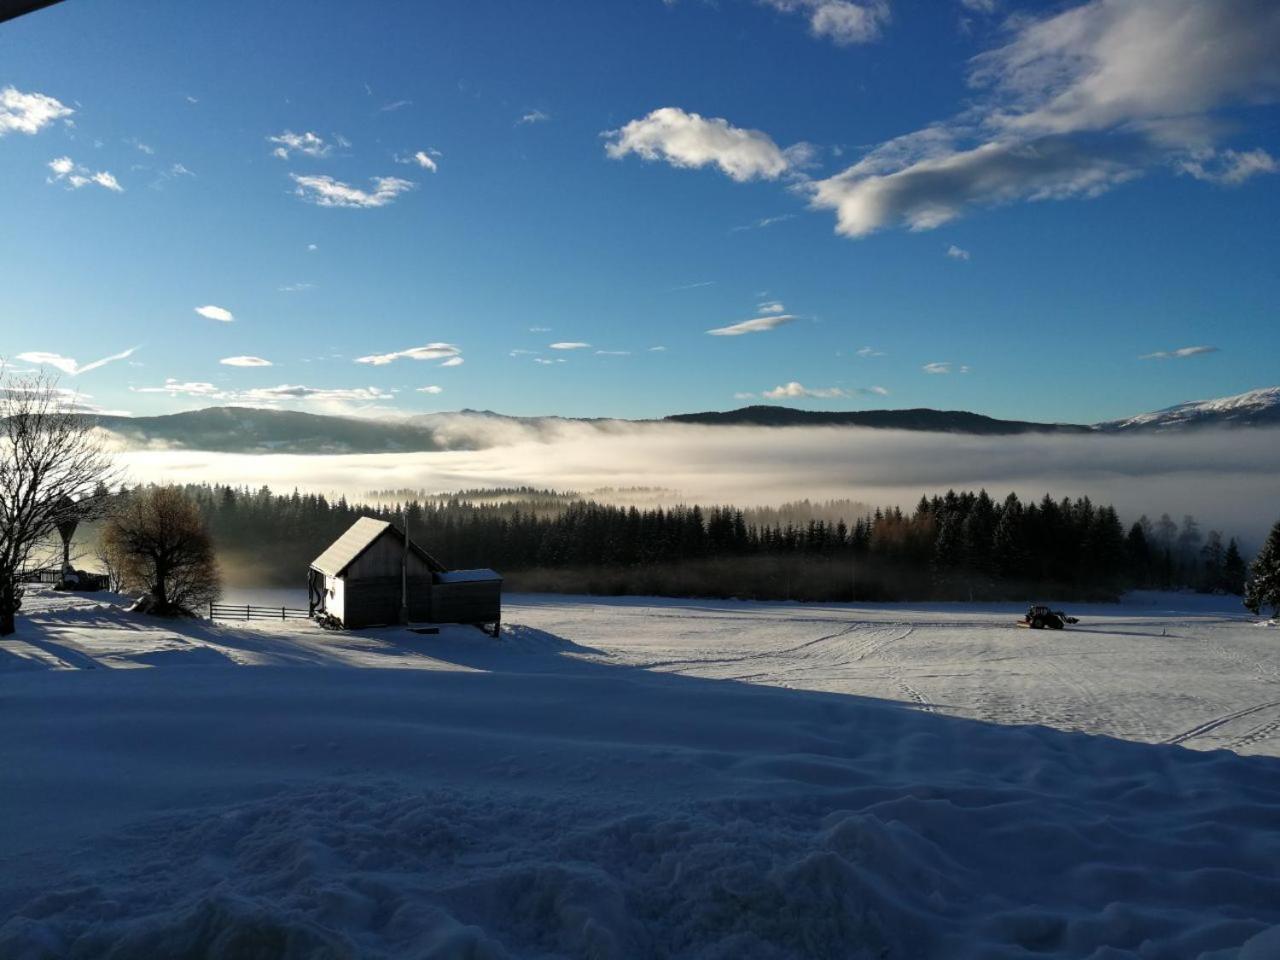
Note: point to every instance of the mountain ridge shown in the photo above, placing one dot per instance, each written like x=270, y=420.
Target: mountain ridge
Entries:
x=233, y=429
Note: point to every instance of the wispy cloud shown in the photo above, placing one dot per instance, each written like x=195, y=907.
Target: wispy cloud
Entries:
x=431, y=351
x=957, y=253
x=28, y=113
x=70, y=366
x=1230, y=167
x=212, y=312
x=868, y=352
x=757, y=325
x=296, y=287
x=1077, y=102
x=270, y=395
x=945, y=366
x=613, y=353
x=433, y=389
x=688, y=140
x=422, y=158
x=325, y=191
x=453, y=362
x=569, y=345
x=840, y=21
x=795, y=390
x=772, y=306
x=395, y=105
x=764, y=222
x=1180, y=354
x=309, y=144
x=693, y=286
x=245, y=362
x=66, y=170
x=533, y=116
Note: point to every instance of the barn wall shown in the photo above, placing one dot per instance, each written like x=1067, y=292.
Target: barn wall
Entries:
x=383, y=559
x=471, y=602
x=376, y=600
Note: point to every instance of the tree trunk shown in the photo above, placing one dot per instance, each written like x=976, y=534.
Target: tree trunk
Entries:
x=8, y=607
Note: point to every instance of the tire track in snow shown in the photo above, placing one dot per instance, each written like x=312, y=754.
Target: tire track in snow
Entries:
x=1210, y=725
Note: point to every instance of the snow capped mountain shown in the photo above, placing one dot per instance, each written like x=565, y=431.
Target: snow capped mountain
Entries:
x=1256, y=408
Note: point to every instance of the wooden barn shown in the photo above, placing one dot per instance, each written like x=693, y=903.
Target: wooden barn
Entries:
x=368, y=577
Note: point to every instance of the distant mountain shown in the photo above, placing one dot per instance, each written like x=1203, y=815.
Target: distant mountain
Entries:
x=936, y=421
x=251, y=430
x=1257, y=408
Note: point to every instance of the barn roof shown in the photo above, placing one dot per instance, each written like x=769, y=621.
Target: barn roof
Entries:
x=360, y=536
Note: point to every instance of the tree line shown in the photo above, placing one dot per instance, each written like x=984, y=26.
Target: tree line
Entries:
x=955, y=545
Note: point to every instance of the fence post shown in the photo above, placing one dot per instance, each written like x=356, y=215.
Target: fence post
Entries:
x=282, y=613
x=210, y=609
x=246, y=611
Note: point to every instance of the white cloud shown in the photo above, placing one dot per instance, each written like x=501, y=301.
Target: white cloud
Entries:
x=140, y=146
x=1230, y=167
x=1180, y=354
x=757, y=325
x=28, y=113
x=283, y=393
x=453, y=362
x=245, y=362
x=613, y=353
x=795, y=390
x=211, y=312
x=867, y=352
x=546, y=363
x=296, y=287
x=310, y=144
x=422, y=158
x=773, y=306
x=324, y=191
x=657, y=349
x=69, y=365
x=539, y=329
x=764, y=222
x=957, y=253
x=979, y=6
x=569, y=345
x=938, y=366
x=840, y=21
x=187, y=388
x=395, y=105
x=688, y=140
x=432, y=351
x=1074, y=104
x=533, y=116
x=311, y=247
x=66, y=170
x=433, y=389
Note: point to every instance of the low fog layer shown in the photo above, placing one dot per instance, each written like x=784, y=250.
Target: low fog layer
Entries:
x=1230, y=479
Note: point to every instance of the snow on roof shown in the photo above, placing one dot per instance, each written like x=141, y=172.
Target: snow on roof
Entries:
x=467, y=576
x=358, y=538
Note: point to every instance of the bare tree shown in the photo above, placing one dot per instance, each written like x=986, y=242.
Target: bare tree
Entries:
x=52, y=467
x=158, y=543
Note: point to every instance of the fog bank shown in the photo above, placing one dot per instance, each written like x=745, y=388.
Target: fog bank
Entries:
x=1229, y=479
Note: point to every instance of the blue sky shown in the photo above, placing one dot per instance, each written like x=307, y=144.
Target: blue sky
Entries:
x=1057, y=211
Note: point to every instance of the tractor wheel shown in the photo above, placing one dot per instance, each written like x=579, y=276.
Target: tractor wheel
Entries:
x=1055, y=623
x=1037, y=624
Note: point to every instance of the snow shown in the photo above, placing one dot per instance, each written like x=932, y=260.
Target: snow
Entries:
x=641, y=777
x=1251, y=403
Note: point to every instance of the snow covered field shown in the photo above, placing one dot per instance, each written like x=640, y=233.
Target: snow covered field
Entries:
x=633, y=778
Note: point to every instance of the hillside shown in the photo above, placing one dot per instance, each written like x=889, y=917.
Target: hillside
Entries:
x=923, y=418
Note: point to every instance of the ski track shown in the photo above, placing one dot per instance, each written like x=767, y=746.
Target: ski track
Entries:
x=1221, y=721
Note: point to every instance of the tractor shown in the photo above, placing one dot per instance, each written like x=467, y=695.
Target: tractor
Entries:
x=1040, y=617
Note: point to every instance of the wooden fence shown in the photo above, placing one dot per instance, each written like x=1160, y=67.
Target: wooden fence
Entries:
x=249, y=611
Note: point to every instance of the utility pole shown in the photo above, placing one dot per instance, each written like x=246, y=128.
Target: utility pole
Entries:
x=404, y=567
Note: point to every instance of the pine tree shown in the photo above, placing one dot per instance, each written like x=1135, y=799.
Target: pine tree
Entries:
x=1263, y=588
x=1233, y=569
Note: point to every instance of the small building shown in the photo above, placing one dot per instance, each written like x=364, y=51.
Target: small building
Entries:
x=367, y=574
